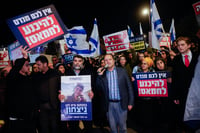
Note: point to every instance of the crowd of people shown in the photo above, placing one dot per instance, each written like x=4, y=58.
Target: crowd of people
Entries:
x=32, y=99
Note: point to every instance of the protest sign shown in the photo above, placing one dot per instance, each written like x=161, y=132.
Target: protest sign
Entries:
x=196, y=7
x=76, y=105
x=4, y=58
x=37, y=27
x=14, y=51
x=68, y=58
x=137, y=42
x=117, y=42
x=165, y=40
x=151, y=84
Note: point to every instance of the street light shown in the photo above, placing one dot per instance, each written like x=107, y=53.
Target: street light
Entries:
x=145, y=12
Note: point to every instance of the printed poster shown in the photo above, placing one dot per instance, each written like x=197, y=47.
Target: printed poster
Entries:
x=4, y=59
x=196, y=7
x=68, y=58
x=151, y=84
x=14, y=51
x=76, y=104
x=165, y=40
x=138, y=42
x=117, y=42
x=37, y=27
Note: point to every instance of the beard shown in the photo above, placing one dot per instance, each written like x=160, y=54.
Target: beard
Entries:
x=78, y=67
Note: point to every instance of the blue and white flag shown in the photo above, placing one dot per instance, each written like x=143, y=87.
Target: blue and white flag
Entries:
x=130, y=33
x=94, y=40
x=172, y=32
x=156, y=26
x=141, y=31
x=76, y=41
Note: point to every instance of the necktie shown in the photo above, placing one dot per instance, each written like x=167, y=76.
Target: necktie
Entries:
x=186, y=61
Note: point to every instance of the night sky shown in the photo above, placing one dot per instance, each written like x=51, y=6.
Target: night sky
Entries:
x=112, y=15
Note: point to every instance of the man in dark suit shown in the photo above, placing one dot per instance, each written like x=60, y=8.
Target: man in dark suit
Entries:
x=182, y=74
x=117, y=93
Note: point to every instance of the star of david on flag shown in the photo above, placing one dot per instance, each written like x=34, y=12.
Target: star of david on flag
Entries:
x=76, y=41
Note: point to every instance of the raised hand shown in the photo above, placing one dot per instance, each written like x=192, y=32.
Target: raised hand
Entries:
x=25, y=51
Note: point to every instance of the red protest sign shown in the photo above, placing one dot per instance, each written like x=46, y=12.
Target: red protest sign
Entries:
x=196, y=7
x=152, y=88
x=117, y=42
x=41, y=30
x=151, y=84
x=37, y=27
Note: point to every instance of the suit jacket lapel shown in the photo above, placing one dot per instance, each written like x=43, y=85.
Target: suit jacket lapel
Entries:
x=105, y=80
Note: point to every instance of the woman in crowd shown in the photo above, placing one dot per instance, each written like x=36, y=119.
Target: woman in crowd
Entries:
x=166, y=103
x=61, y=69
x=146, y=108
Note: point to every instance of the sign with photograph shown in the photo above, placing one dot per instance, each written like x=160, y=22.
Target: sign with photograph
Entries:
x=76, y=104
x=37, y=27
x=151, y=84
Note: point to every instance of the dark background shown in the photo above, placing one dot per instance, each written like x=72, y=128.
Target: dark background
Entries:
x=112, y=15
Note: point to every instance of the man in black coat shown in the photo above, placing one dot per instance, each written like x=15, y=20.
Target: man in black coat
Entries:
x=182, y=74
x=20, y=98
x=47, y=85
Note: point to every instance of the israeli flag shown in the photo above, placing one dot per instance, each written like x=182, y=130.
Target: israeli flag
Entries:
x=76, y=41
x=130, y=33
x=156, y=26
x=172, y=32
x=94, y=40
